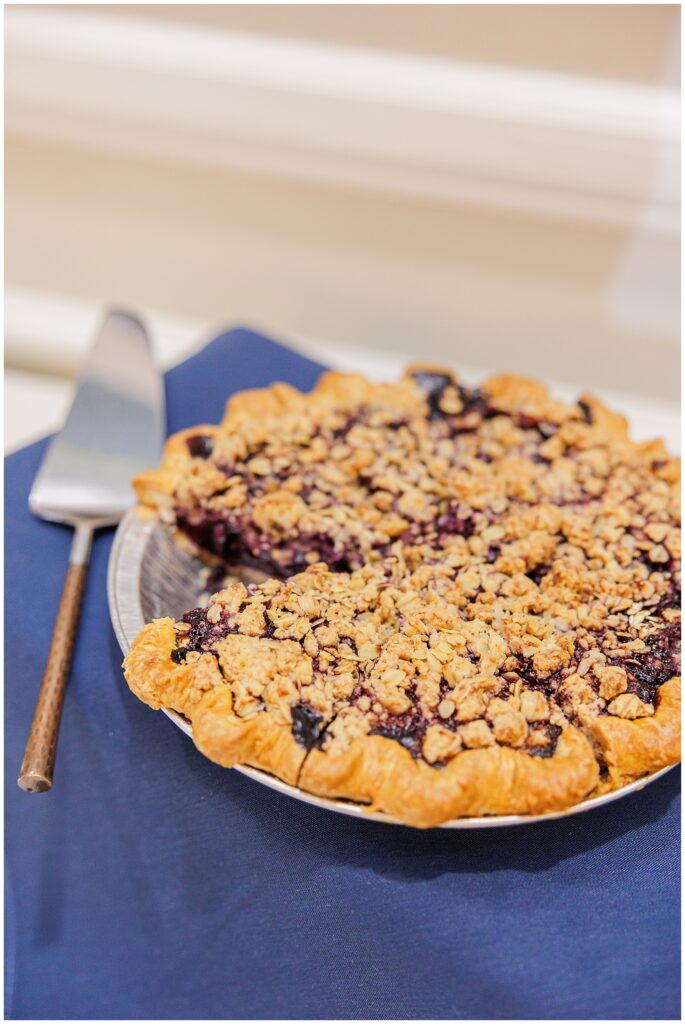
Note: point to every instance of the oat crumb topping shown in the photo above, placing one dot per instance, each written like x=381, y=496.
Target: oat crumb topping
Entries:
x=453, y=569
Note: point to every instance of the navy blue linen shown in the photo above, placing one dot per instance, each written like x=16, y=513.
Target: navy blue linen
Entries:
x=152, y=883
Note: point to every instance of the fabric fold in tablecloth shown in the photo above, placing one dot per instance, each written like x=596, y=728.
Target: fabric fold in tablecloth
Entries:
x=152, y=883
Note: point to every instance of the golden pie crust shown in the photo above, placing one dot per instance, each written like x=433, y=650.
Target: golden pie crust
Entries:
x=473, y=605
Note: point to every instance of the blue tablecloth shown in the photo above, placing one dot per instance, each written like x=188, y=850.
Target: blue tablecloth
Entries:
x=152, y=883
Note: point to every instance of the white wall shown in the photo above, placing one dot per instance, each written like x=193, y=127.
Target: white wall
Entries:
x=210, y=166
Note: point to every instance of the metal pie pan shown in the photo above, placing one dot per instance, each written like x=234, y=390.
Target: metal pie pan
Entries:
x=150, y=576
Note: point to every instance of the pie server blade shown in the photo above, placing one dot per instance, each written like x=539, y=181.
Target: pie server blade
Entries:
x=114, y=430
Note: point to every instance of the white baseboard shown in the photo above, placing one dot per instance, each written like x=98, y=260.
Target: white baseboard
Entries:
x=50, y=334
x=56, y=334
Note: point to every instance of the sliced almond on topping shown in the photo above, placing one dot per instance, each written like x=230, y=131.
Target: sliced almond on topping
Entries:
x=629, y=705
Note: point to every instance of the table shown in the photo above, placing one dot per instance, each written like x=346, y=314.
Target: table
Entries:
x=152, y=883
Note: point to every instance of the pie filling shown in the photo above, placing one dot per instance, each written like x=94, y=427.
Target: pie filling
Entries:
x=359, y=453
x=451, y=568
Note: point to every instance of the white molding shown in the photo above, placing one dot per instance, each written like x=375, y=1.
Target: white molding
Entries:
x=50, y=334
x=347, y=72
x=533, y=141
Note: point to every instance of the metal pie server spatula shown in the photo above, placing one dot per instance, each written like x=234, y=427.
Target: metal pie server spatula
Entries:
x=114, y=430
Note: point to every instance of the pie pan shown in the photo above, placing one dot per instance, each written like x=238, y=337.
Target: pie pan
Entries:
x=150, y=576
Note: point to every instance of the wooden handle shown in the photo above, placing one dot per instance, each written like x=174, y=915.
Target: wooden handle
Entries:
x=39, y=758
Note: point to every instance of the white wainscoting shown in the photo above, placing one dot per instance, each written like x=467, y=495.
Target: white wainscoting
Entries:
x=558, y=145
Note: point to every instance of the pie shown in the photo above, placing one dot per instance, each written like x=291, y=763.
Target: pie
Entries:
x=470, y=601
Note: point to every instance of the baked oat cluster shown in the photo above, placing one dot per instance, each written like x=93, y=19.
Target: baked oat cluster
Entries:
x=472, y=603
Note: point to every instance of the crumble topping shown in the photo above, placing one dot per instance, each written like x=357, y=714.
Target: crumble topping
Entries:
x=453, y=568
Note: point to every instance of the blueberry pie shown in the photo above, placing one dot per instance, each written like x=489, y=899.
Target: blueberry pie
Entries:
x=471, y=601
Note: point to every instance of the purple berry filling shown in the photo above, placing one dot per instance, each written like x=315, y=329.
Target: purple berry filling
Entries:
x=242, y=544
x=452, y=524
x=407, y=730
x=202, y=634
x=433, y=386
x=586, y=411
x=551, y=732
x=538, y=573
x=649, y=669
x=307, y=725
x=200, y=446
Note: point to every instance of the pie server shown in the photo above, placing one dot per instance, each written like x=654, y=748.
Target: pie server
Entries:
x=114, y=430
